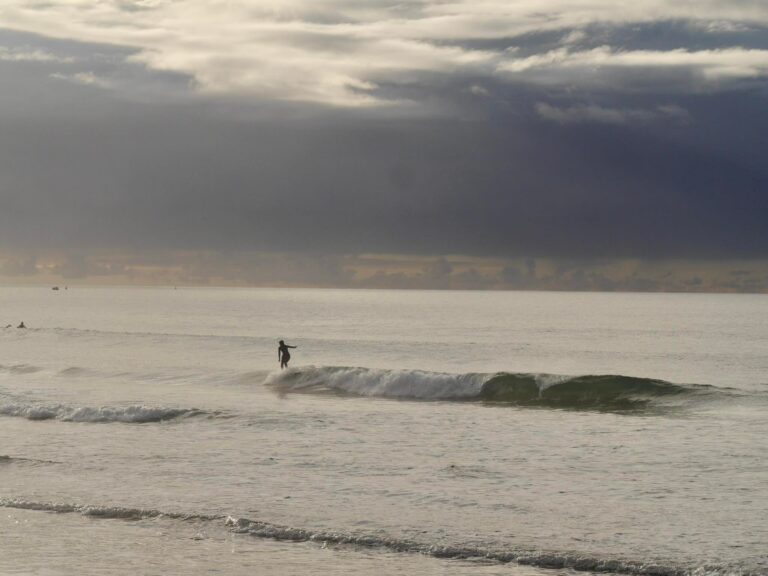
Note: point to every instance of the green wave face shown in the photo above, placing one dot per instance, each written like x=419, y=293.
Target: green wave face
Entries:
x=596, y=392
x=592, y=392
x=511, y=388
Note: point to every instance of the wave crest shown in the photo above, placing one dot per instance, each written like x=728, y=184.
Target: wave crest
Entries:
x=136, y=414
x=410, y=384
x=546, y=390
x=19, y=369
x=5, y=459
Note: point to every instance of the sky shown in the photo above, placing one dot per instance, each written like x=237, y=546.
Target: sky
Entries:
x=518, y=144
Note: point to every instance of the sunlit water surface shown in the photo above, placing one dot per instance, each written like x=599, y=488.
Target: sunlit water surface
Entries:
x=148, y=431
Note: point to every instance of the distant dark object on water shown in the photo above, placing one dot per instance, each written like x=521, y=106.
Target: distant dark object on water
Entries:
x=21, y=325
x=55, y=288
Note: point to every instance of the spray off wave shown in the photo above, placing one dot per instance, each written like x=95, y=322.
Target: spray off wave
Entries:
x=545, y=390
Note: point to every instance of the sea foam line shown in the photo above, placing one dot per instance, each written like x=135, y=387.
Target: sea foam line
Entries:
x=106, y=512
x=451, y=552
x=267, y=530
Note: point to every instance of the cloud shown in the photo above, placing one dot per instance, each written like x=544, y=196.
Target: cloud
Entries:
x=188, y=178
x=618, y=116
x=607, y=67
x=722, y=26
x=419, y=127
x=84, y=78
x=479, y=90
x=346, y=54
x=30, y=55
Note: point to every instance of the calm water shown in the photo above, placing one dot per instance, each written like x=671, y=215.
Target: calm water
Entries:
x=146, y=431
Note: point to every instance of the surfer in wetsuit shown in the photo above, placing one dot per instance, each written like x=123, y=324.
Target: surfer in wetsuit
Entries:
x=283, y=355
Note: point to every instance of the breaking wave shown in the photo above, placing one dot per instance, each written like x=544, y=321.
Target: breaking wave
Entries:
x=127, y=414
x=4, y=459
x=260, y=529
x=546, y=390
x=73, y=371
x=19, y=369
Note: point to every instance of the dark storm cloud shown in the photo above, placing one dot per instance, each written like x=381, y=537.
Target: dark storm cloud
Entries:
x=504, y=186
x=571, y=130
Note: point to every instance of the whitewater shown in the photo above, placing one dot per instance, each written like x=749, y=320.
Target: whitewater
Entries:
x=150, y=431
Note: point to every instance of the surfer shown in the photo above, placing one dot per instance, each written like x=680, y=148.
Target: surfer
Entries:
x=283, y=355
x=21, y=325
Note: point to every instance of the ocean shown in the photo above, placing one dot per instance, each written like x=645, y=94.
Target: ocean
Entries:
x=150, y=431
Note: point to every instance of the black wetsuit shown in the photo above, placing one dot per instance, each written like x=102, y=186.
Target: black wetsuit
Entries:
x=284, y=355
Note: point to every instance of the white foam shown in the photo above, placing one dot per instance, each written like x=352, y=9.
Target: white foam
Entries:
x=129, y=414
x=108, y=512
x=261, y=529
x=414, y=384
x=548, y=380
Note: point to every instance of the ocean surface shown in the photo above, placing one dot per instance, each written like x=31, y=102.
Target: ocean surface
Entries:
x=150, y=431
